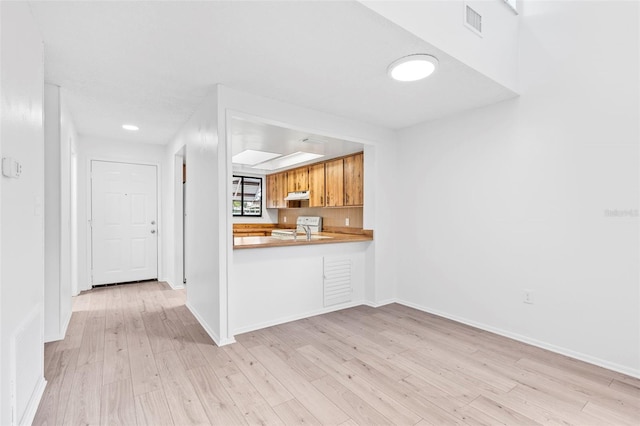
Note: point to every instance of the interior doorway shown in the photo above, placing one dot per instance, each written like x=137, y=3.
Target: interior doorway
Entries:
x=180, y=218
x=184, y=223
x=124, y=228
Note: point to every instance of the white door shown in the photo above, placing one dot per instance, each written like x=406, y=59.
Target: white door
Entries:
x=124, y=230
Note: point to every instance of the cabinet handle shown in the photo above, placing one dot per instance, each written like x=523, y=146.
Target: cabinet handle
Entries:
x=321, y=200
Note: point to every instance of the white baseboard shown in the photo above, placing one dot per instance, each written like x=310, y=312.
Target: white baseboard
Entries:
x=174, y=287
x=228, y=341
x=515, y=336
x=382, y=303
x=296, y=317
x=534, y=342
x=48, y=338
x=32, y=407
x=65, y=324
x=62, y=333
x=210, y=332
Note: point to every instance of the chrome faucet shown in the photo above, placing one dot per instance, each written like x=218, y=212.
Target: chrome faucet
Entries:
x=307, y=231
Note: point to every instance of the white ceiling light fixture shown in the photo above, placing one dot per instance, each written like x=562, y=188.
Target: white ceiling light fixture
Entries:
x=413, y=67
x=251, y=157
x=130, y=127
x=288, y=160
x=313, y=139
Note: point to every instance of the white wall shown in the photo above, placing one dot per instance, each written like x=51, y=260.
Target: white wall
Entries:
x=441, y=23
x=21, y=216
x=280, y=284
x=384, y=214
x=69, y=195
x=90, y=148
x=60, y=138
x=200, y=137
x=68, y=146
x=52, y=234
x=514, y=196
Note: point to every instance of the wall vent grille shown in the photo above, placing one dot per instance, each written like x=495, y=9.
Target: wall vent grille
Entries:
x=337, y=281
x=472, y=19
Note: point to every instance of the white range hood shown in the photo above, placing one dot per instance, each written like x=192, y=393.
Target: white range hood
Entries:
x=298, y=195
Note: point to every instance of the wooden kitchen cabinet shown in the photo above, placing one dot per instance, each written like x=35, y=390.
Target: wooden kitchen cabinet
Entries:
x=316, y=185
x=354, y=180
x=271, y=191
x=281, y=190
x=298, y=179
x=276, y=191
x=334, y=183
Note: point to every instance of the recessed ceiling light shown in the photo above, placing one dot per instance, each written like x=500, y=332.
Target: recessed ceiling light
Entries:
x=288, y=160
x=251, y=157
x=413, y=67
x=130, y=127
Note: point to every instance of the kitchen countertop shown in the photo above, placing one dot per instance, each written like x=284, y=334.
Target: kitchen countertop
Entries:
x=328, y=238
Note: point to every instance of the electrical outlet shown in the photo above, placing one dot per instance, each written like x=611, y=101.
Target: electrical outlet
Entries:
x=284, y=219
x=346, y=222
x=528, y=297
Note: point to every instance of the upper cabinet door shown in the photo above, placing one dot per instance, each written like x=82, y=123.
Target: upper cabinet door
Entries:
x=298, y=179
x=291, y=180
x=334, y=183
x=276, y=190
x=354, y=180
x=272, y=195
x=316, y=185
x=281, y=190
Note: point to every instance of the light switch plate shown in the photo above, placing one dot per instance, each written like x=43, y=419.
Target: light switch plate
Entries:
x=11, y=168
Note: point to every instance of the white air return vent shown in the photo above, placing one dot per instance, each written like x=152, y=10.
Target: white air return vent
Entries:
x=472, y=20
x=337, y=280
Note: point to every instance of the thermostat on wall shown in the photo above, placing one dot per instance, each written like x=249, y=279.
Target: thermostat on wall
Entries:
x=11, y=168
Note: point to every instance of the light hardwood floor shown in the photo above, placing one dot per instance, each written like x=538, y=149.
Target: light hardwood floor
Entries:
x=134, y=354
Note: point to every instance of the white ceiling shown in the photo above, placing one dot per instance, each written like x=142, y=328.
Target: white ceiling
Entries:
x=248, y=134
x=152, y=63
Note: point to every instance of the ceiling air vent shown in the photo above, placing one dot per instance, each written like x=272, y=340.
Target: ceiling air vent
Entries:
x=473, y=20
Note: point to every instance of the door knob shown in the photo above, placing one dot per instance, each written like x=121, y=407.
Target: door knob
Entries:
x=153, y=231
x=153, y=222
